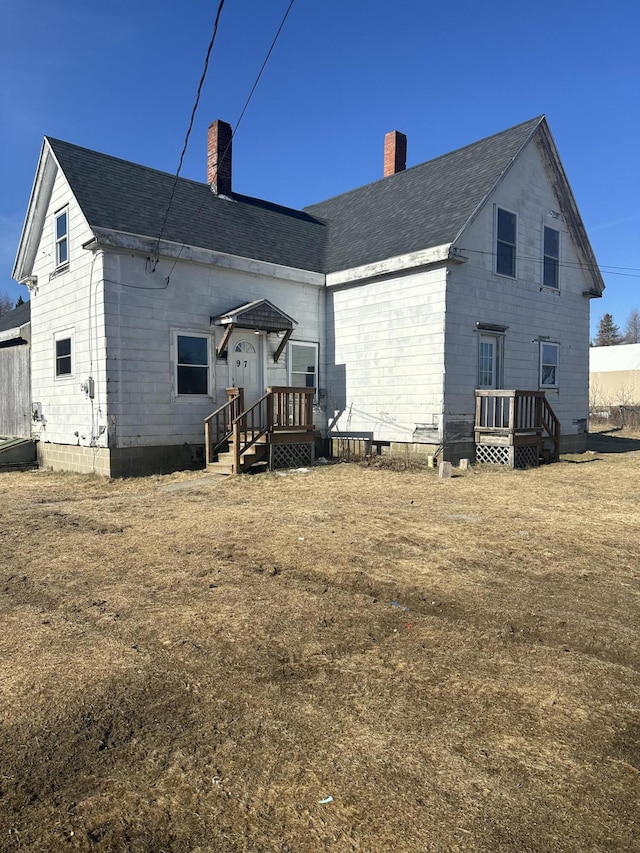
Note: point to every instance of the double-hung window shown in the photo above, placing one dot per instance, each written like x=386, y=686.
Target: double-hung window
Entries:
x=63, y=354
x=303, y=365
x=192, y=364
x=506, y=242
x=549, y=364
x=62, y=237
x=551, y=258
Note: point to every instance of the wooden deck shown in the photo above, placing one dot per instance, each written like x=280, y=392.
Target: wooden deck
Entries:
x=267, y=432
x=521, y=422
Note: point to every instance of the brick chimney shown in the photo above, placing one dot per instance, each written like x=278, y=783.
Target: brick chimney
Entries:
x=395, y=153
x=219, y=157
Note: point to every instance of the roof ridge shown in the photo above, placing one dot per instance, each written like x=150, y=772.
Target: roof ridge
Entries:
x=532, y=121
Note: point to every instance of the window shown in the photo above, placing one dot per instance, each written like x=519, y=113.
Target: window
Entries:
x=192, y=364
x=303, y=365
x=506, y=227
x=549, y=365
x=63, y=354
x=62, y=238
x=551, y=258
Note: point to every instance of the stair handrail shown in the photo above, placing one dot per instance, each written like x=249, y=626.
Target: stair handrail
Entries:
x=245, y=422
x=551, y=424
x=224, y=417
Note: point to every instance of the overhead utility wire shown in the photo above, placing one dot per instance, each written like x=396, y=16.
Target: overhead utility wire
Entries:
x=631, y=272
x=186, y=139
x=235, y=129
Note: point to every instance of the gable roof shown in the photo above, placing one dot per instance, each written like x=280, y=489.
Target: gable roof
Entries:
x=424, y=206
x=121, y=196
x=413, y=211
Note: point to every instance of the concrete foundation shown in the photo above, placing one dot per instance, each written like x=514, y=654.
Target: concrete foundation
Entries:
x=120, y=462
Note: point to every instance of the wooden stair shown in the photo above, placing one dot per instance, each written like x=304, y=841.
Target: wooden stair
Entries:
x=237, y=439
x=224, y=463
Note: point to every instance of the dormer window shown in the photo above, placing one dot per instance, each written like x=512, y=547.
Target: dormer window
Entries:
x=62, y=237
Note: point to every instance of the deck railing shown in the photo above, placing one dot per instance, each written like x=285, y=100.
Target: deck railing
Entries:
x=516, y=414
x=280, y=410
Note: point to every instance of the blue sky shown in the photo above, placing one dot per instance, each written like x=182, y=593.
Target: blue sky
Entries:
x=121, y=78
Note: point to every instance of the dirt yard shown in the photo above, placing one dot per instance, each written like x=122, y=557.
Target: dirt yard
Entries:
x=196, y=666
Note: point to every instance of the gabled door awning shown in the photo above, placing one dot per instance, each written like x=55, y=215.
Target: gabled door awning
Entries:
x=259, y=315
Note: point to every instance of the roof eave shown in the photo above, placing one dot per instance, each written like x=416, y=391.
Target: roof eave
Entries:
x=389, y=266
x=105, y=238
x=36, y=211
x=569, y=208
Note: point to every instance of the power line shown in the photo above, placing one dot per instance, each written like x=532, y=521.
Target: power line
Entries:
x=189, y=129
x=630, y=272
x=234, y=131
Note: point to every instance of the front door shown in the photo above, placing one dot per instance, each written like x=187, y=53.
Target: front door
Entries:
x=246, y=366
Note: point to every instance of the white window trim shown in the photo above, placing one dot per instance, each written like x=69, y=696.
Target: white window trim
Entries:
x=542, y=282
x=498, y=207
x=316, y=346
x=191, y=398
x=541, y=346
x=64, y=211
x=63, y=335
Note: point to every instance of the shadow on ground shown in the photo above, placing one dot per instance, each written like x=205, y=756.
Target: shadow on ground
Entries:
x=610, y=442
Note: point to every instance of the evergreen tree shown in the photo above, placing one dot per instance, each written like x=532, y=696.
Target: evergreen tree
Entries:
x=608, y=333
x=632, y=329
x=20, y=301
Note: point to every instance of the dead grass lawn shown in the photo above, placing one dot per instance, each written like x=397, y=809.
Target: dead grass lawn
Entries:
x=455, y=662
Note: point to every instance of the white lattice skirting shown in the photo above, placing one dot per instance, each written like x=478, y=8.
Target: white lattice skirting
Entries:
x=291, y=455
x=515, y=457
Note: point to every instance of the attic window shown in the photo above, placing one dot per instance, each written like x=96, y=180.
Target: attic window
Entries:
x=551, y=258
x=506, y=230
x=62, y=238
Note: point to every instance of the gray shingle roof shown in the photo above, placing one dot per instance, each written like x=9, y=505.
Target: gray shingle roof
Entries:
x=122, y=196
x=18, y=317
x=424, y=206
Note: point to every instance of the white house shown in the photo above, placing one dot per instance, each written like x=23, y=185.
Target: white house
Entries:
x=393, y=304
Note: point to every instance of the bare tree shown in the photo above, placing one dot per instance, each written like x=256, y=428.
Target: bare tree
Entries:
x=6, y=303
x=632, y=329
